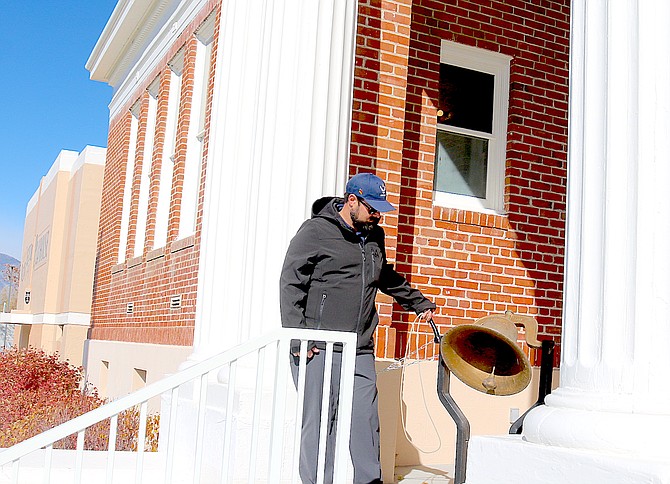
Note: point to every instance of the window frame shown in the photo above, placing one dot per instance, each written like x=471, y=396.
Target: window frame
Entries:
x=129, y=181
x=161, y=230
x=203, y=64
x=146, y=169
x=497, y=65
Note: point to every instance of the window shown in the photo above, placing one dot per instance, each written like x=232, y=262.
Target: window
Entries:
x=145, y=178
x=167, y=162
x=139, y=379
x=27, y=261
x=41, y=249
x=196, y=129
x=471, y=128
x=128, y=184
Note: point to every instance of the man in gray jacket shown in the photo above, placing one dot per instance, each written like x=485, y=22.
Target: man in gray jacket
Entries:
x=333, y=269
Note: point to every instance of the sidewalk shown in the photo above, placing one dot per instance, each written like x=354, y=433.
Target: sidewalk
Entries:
x=424, y=474
x=95, y=464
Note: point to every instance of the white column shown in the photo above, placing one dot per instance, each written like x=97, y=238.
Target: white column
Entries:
x=281, y=120
x=609, y=420
x=616, y=324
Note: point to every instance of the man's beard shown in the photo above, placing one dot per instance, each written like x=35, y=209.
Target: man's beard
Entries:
x=363, y=227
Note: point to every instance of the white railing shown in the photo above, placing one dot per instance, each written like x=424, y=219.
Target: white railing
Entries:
x=221, y=420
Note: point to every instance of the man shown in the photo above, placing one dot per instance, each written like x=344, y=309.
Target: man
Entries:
x=333, y=268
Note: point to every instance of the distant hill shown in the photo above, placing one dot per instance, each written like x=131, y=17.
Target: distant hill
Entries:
x=6, y=259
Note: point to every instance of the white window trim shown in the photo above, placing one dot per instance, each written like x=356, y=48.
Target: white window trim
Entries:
x=205, y=32
x=497, y=65
x=128, y=183
x=147, y=162
x=194, y=143
x=167, y=163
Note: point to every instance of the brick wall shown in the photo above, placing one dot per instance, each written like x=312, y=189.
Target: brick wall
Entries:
x=149, y=281
x=470, y=264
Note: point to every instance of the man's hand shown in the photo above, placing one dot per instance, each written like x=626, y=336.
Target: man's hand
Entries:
x=310, y=353
x=427, y=315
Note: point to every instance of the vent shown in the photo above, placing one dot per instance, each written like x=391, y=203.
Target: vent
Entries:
x=130, y=307
x=175, y=302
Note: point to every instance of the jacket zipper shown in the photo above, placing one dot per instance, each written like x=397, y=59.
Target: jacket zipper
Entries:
x=323, y=303
x=360, y=309
x=372, y=261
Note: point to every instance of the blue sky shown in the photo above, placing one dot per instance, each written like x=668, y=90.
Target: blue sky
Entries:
x=48, y=102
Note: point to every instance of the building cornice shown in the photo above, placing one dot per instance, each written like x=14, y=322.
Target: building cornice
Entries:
x=137, y=36
x=69, y=161
x=70, y=318
x=120, y=35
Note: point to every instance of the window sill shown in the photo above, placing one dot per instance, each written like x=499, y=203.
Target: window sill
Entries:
x=116, y=268
x=470, y=217
x=135, y=261
x=156, y=254
x=182, y=244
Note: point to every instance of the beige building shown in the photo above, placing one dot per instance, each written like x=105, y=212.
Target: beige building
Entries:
x=59, y=250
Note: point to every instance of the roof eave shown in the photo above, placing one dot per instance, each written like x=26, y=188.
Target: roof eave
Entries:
x=127, y=17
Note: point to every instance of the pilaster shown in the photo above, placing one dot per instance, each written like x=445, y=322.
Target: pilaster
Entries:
x=612, y=403
x=281, y=120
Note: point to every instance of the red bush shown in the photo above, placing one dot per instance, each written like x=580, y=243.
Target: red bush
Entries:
x=38, y=392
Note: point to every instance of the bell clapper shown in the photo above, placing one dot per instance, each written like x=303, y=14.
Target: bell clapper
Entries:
x=490, y=381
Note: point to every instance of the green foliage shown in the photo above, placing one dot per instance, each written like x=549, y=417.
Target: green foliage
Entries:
x=38, y=392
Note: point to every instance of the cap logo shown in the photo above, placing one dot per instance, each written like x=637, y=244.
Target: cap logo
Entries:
x=360, y=191
x=382, y=189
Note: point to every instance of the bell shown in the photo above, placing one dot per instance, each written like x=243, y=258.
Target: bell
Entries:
x=485, y=355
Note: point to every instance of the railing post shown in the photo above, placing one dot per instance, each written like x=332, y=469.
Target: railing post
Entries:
x=344, y=411
x=172, y=431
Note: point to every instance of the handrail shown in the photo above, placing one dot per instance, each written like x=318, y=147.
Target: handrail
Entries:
x=172, y=382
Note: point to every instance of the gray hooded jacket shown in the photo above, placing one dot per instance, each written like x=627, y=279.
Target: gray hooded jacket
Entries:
x=331, y=276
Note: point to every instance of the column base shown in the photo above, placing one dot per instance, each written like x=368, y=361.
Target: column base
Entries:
x=511, y=460
x=559, y=423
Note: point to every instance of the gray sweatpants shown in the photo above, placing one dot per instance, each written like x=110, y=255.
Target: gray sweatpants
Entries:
x=364, y=441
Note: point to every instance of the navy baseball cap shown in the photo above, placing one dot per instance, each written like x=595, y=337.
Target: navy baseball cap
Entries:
x=370, y=188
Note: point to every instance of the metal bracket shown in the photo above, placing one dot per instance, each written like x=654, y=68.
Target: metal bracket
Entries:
x=546, y=377
x=530, y=325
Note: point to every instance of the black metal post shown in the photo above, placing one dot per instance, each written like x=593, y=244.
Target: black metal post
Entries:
x=461, y=421
x=546, y=377
x=462, y=424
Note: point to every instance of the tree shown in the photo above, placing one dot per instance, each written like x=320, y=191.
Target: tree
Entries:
x=8, y=295
x=5, y=302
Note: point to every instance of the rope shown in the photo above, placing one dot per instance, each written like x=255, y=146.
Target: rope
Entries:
x=401, y=364
x=408, y=360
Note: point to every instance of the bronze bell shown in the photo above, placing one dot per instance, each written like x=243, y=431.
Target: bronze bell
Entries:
x=485, y=355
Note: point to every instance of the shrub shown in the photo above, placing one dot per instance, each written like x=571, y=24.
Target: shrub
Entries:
x=39, y=392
